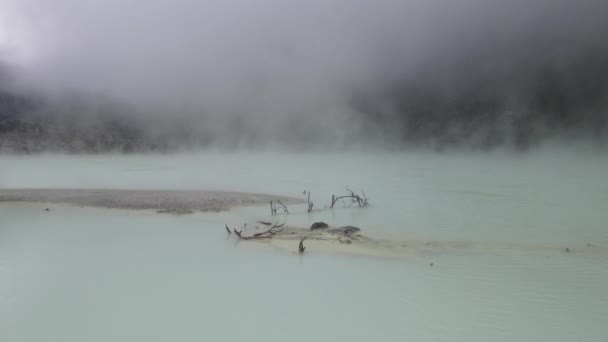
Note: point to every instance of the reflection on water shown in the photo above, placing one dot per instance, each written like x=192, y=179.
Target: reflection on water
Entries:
x=85, y=274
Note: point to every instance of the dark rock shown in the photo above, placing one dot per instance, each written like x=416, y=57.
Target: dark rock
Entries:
x=346, y=230
x=319, y=225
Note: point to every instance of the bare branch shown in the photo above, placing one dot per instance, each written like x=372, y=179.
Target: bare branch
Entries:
x=361, y=201
x=284, y=206
x=274, y=208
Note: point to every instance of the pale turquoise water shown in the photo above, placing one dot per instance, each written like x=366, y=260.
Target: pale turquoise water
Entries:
x=85, y=274
x=543, y=197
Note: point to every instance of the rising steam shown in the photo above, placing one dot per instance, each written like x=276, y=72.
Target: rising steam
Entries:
x=163, y=74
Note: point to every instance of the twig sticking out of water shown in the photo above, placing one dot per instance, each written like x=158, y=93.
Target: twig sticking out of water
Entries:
x=310, y=204
x=301, y=247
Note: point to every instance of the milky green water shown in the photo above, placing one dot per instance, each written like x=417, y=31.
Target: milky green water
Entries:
x=88, y=274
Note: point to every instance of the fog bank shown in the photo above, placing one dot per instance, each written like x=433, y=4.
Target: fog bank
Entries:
x=123, y=75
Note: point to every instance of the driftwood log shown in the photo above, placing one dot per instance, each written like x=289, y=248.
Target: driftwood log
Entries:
x=261, y=235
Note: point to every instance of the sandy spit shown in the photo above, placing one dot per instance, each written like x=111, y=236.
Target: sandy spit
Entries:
x=324, y=240
x=287, y=238
x=168, y=201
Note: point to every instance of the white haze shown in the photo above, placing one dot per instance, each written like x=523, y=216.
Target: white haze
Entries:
x=266, y=62
x=271, y=55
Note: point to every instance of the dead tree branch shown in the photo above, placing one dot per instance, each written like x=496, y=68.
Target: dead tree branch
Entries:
x=274, y=208
x=265, y=234
x=283, y=206
x=361, y=200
